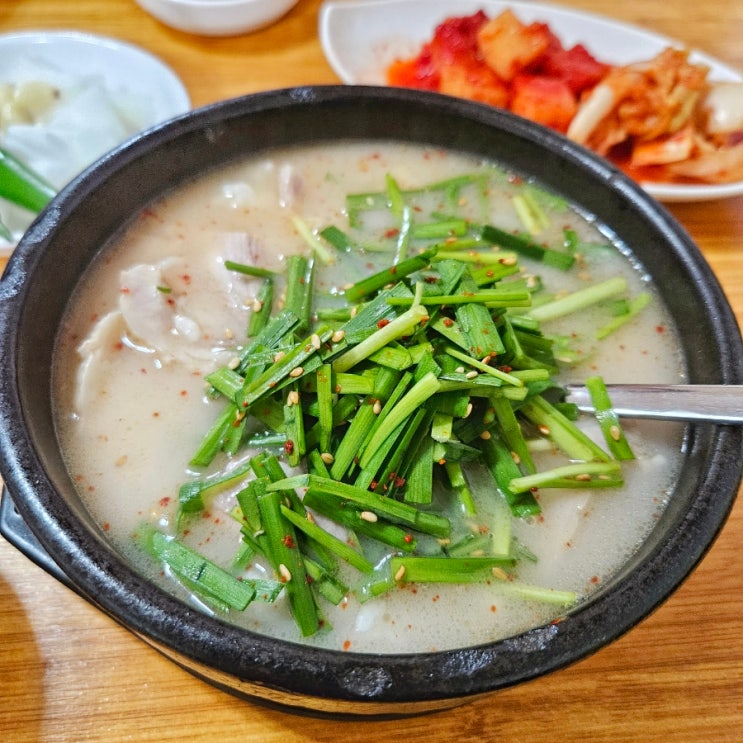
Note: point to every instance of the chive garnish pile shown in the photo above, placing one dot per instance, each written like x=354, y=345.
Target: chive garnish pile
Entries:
x=371, y=405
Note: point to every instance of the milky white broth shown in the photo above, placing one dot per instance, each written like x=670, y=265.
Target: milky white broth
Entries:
x=132, y=405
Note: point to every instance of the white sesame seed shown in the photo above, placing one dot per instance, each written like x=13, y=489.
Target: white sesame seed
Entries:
x=278, y=356
x=338, y=336
x=485, y=435
x=369, y=516
x=286, y=576
x=316, y=342
x=377, y=409
x=327, y=457
x=400, y=574
x=616, y=434
x=233, y=363
x=257, y=305
x=297, y=371
x=499, y=573
x=292, y=398
x=471, y=374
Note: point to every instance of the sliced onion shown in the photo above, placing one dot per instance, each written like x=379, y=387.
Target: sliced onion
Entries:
x=722, y=108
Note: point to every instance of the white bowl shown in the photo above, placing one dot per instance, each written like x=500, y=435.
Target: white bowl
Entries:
x=217, y=17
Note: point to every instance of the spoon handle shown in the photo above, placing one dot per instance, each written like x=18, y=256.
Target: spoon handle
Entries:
x=684, y=402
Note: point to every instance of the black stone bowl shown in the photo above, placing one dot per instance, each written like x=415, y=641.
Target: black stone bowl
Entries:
x=79, y=223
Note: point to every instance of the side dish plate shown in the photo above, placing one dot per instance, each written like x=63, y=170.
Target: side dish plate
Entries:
x=361, y=38
x=111, y=88
x=124, y=67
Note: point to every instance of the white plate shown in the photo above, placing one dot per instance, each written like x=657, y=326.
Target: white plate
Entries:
x=361, y=38
x=138, y=91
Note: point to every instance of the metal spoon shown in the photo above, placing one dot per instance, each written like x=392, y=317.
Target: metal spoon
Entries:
x=711, y=403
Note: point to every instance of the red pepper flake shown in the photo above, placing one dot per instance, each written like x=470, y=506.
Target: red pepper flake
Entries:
x=399, y=481
x=125, y=290
x=660, y=329
x=381, y=323
x=186, y=278
x=373, y=485
x=346, y=644
x=119, y=346
x=289, y=447
x=156, y=414
x=184, y=393
x=288, y=541
x=493, y=608
x=165, y=502
x=594, y=579
x=448, y=322
x=393, y=232
x=106, y=526
x=408, y=539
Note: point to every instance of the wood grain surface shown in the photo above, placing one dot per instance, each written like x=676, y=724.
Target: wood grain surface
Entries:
x=69, y=673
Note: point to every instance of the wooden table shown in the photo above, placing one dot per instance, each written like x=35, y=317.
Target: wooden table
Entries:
x=69, y=673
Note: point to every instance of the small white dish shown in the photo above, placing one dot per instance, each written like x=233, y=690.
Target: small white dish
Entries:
x=217, y=17
x=361, y=38
x=109, y=90
x=125, y=69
